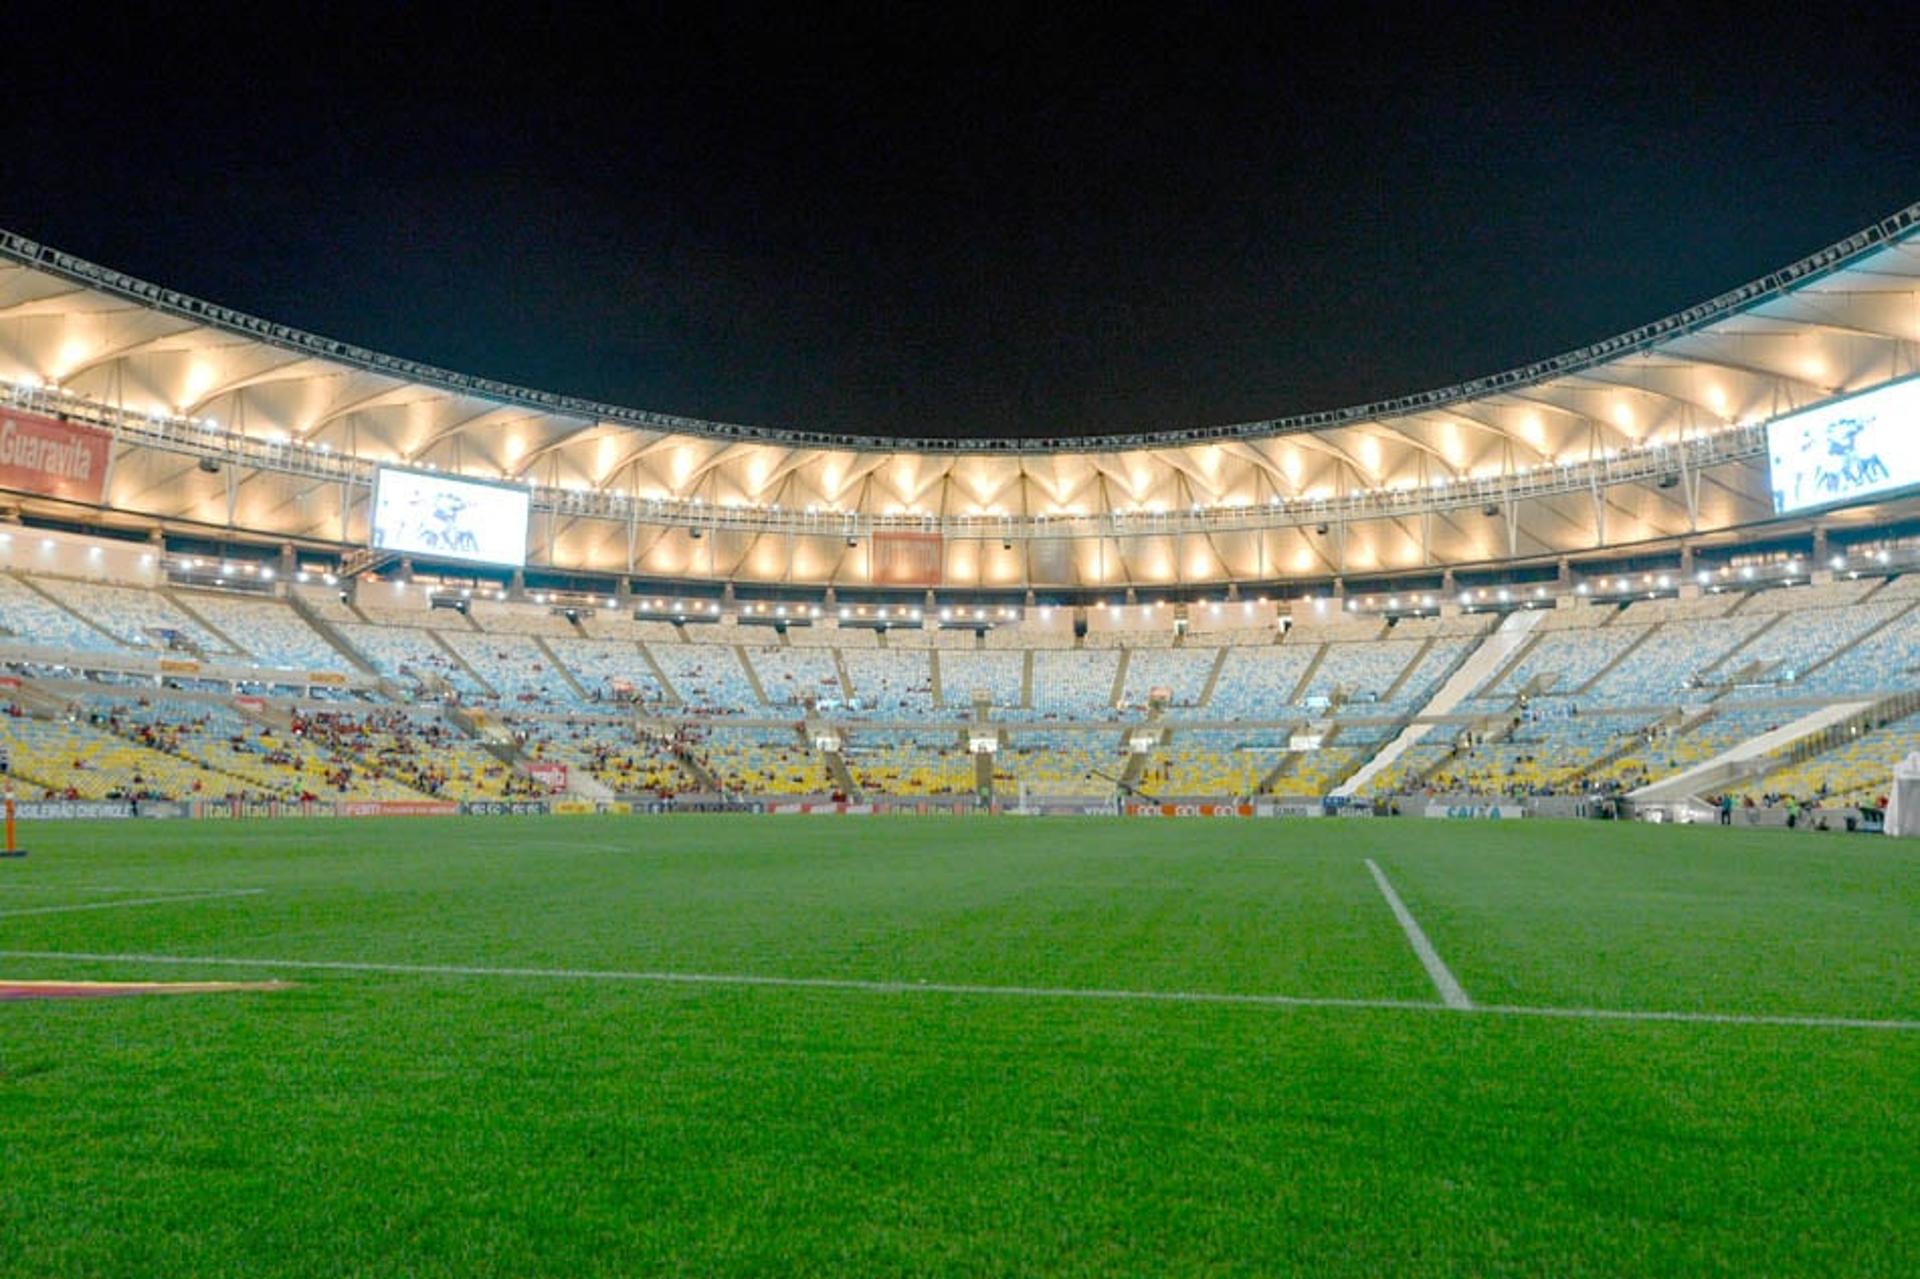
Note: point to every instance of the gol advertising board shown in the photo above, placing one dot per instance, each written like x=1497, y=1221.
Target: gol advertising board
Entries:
x=51, y=458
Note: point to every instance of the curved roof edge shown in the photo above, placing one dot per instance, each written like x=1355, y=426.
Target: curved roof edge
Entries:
x=28, y=252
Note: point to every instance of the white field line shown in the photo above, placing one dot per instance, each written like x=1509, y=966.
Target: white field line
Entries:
x=855, y=985
x=97, y=888
x=1821, y=1021
x=132, y=901
x=734, y=979
x=1444, y=981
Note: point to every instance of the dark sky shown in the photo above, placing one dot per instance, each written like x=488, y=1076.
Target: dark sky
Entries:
x=957, y=219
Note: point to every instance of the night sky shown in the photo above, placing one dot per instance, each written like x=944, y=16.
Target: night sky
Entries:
x=957, y=220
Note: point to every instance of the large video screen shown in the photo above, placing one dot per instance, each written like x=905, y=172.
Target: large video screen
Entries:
x=1852, y=448
x=423, y=513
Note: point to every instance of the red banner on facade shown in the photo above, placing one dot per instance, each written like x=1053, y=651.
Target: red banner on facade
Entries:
x=549, y=773
x=907, y=559
x=53, y=459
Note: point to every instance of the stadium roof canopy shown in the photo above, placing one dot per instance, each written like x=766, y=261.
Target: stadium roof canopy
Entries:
x=1648, y=437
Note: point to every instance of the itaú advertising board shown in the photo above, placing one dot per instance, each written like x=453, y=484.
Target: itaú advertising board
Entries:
x=1854, y=447
x=53, y=459
x=425, y=513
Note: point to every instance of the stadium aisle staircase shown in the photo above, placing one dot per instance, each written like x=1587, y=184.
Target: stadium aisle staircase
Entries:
x=273, y=632
x=1747, y=757
x=560, y=668
x=29, y=615
x=1481, y=665
x=1859, y=771
x=1213, y=676
x=607, y=670
x=325, y=629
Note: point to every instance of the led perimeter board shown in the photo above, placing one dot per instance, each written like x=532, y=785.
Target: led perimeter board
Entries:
x=425, y=513
x=1851, y=448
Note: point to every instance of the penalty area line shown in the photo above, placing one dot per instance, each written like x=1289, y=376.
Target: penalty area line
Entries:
x=859, y=986
x=661, y=978
x=113, y=888
x=1451, y=992
x=214, y=895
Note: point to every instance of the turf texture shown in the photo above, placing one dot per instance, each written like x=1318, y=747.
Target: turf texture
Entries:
x=386, y=1123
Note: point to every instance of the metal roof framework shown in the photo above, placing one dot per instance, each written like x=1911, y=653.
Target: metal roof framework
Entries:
x=1654, y=434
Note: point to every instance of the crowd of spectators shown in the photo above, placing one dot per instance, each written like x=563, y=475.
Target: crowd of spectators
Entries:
x=425, y=754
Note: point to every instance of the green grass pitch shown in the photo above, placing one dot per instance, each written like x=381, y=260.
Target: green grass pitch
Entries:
x=572, y=1119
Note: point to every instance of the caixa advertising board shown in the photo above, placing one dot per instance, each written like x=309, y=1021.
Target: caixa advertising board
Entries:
x=1474, y=812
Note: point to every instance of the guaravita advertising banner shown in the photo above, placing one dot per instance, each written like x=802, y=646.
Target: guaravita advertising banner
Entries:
x=50, y=458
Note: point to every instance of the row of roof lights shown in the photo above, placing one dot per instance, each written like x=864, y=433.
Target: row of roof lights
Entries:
x=1625, y=584
x=847, y=612
x=1662, y=581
